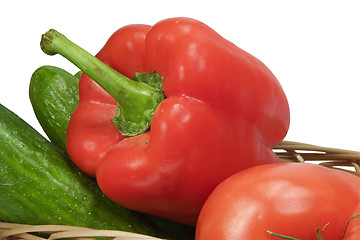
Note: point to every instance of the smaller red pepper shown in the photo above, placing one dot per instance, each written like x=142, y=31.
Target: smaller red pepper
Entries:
x=223, y=112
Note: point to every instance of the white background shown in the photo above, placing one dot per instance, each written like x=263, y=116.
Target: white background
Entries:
x=313, y=47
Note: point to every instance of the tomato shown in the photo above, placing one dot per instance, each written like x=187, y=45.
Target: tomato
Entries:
x=353, y=229
x=291, y=199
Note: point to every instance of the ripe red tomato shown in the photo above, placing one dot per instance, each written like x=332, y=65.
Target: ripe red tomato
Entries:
x=291, y=199
x=353, y=229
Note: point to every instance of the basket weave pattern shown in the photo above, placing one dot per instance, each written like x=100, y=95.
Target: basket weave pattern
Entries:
x=329, y=157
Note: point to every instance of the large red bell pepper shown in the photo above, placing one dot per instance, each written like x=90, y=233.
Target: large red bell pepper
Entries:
x=223, y=112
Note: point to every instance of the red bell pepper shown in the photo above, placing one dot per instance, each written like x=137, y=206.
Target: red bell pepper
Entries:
x=223, y=111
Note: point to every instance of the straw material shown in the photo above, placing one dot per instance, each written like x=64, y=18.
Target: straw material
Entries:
x=12, y=231
x=329, y=157
x=287, y=151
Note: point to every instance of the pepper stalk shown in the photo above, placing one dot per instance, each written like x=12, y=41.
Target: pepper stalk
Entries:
x=137, y=100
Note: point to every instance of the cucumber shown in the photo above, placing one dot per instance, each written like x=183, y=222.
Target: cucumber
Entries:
x=54, y=94
x=39, y=185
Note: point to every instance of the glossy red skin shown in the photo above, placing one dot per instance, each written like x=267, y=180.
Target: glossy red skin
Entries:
x=353, y=230
x=224, y=111
x=291, y=199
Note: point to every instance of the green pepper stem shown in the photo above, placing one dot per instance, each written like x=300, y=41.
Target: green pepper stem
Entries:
x=137, y=101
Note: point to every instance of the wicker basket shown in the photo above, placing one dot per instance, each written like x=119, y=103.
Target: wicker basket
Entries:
x=288, y=151
x=330, y=157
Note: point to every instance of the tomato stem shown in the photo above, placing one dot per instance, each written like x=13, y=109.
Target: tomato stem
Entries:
x=347, y=224
x=281, y=236
x=320, y=235
x=137, y=101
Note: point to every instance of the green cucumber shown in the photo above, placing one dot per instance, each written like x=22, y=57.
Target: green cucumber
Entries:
x=39, y=185
x=54, y=94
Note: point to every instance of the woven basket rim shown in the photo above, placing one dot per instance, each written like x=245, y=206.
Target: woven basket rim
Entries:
x=347, y=160
x=24, y=231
